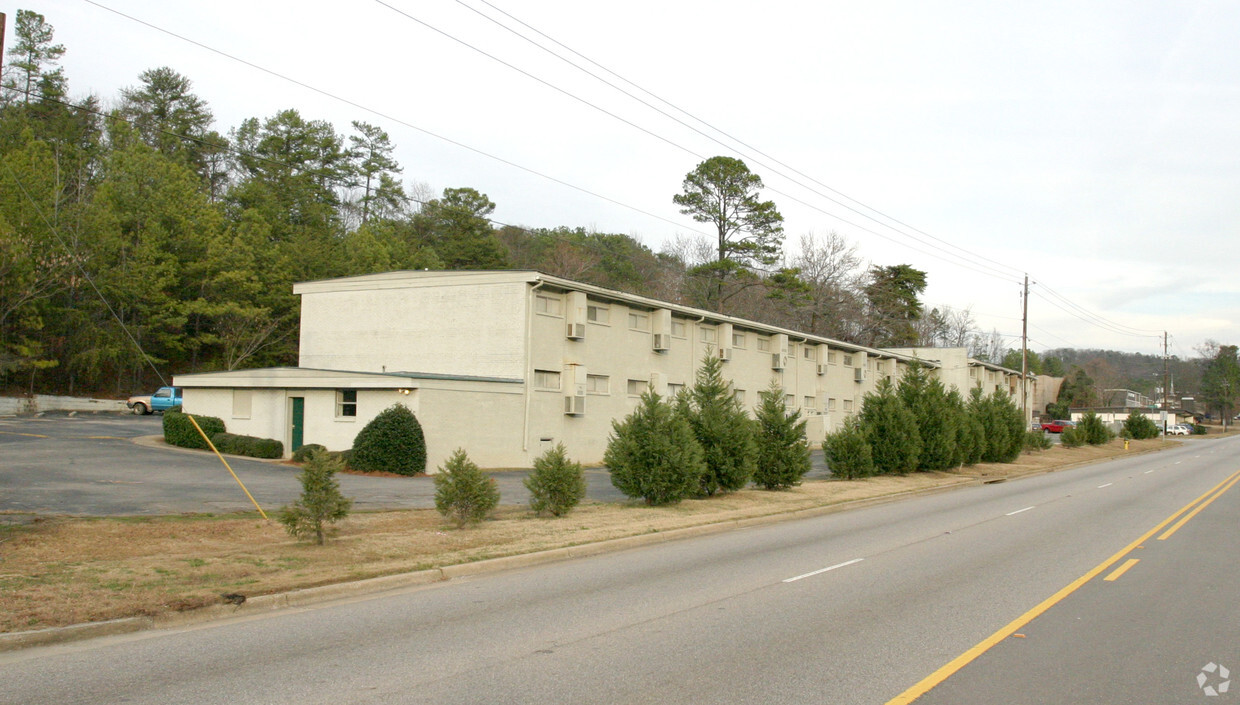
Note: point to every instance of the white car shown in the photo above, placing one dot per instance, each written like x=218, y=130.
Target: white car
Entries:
x=1180, y=430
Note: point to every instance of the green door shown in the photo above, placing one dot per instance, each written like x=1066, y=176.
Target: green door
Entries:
x=299, y=422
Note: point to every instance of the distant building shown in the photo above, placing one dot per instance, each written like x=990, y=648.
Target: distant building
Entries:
x=506, y=364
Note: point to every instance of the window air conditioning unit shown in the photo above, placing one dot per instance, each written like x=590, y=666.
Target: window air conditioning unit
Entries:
x=778, y=361
x=859, y=374
x=662, y=341
x=725, y=354
x=575, y=405
x=822, y=369
x=576, y=331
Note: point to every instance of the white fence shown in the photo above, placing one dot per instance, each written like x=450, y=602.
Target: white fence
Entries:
x=12, y=406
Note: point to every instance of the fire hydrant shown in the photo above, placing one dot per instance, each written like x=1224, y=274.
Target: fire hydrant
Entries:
x=1125, y=444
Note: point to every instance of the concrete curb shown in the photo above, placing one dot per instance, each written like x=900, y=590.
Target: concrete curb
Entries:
x=309, y=597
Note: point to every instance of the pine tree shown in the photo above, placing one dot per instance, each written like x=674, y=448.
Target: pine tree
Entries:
x=557, y=484
x=890, y=429
x=722, y=429
x=464, y=493
x=848, y=452
x=782, y=455
x=926, y=397
x=653, y=454
x=321, y=501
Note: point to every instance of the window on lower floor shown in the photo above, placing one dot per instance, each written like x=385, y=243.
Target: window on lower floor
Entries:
x=346, y=403
x=739, y=395
x=673, y=389
x=637, y=387
x=848, y=405
x=831, y=404
x=810, y=403
x=241, y=403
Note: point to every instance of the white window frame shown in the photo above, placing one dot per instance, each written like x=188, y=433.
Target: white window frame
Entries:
x=637, y=387
x=679, y=329
x=548, y=305
x=344, y=404
x=764, y=344
x=640, y=321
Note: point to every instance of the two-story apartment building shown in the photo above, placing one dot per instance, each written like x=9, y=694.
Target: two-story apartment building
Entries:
x=506, y=364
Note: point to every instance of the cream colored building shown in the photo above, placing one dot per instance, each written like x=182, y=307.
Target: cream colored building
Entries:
x=956, y=369
x=506, y=364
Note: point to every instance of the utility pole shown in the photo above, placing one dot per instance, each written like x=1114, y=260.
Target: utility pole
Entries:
x=1024, y=357
x=1166, y=390
x=1, y=37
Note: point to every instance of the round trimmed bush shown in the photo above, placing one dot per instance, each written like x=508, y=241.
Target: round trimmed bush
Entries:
x=391, y=442
x=557, y=484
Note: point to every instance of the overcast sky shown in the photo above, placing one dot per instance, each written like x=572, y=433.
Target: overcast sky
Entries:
x=1093, y=145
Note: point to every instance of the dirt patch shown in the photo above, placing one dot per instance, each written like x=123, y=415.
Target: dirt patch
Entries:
x=60, y=571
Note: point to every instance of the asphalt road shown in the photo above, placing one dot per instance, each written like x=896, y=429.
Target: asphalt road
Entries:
x=853, y=607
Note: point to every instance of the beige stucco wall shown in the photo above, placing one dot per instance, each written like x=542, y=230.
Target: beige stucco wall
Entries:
x=475, y=328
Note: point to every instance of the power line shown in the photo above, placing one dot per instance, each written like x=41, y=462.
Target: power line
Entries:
x=969, y=258
x=386, y=116
x=721, y=132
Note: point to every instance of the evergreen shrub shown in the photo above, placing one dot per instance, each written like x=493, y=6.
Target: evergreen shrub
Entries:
x=557, y=484
x=391, y=442
x=653, y=454
x=1138, y=426
x=848, y=452
x=321, y=503
x=1037, y=440
x=1096, y=432
x=179, y=430
x=464, y=493
x=1072, y=437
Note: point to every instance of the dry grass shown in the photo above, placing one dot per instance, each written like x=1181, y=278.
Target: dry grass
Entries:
x=60, y=571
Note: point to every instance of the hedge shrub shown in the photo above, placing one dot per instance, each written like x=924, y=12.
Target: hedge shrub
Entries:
x=1096, y=432
x=391, y=442
x=1072, y=437
x=179, y=430
x=302, y=454
x=1037, y=440
x=248, y=445
x=1139, y=426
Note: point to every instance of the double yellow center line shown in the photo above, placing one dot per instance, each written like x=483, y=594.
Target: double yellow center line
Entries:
x=1188, y=511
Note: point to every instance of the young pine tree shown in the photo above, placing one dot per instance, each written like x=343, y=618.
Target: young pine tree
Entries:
x=464, y=493
x=722, y=429
x=557, y=484
x=321, y=502
x=890, y=429
x=781, y=449
x=653, y=454
x=1096, y=432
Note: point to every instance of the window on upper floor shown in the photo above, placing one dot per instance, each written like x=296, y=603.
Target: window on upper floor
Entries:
x=678, y=328
x=596, y=313
x=738, y=340
x=639, y=320
x=598, y=384
x=848, y=359
x=764, y=344
x=547, y=379
x=548, y=304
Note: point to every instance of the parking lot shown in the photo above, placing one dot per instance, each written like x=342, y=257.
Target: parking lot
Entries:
x=90, y=465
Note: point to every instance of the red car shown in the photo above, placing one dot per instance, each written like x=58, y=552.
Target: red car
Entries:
x=1057, y=426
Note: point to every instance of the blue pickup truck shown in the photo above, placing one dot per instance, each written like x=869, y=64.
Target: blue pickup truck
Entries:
x=163, y=399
